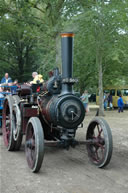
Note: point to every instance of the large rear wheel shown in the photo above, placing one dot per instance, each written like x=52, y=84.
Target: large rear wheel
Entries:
x=34, y=144
x=7, y=123
x=100, y=148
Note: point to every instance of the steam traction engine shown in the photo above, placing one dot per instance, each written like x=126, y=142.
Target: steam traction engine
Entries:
x=52, y=116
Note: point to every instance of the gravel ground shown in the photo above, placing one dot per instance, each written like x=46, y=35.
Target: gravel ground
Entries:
x=70, y=171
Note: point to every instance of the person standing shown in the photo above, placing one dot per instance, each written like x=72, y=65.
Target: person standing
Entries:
x=84, y=98
x=110, y=101
x=120, y=104
x=6, y=79
x=105, y=101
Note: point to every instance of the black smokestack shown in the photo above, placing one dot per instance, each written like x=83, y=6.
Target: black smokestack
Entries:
x=67, y=60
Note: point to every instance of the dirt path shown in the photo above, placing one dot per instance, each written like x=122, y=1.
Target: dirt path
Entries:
x=70, y=171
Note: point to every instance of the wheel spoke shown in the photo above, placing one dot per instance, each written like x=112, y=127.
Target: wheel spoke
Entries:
x=97, y=156
x=8, y=133
x=101, y=146
x=99, y=130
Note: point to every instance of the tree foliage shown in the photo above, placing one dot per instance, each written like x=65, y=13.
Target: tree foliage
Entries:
x=30, y=41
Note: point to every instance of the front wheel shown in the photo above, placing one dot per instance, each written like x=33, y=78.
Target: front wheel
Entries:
x=100, y=148
x=34, y=144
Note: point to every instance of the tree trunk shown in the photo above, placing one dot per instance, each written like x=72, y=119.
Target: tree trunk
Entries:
x=21, y=67
x=58, y=52
x=99, y=65
x=101, y=105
